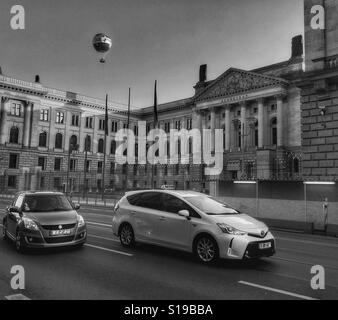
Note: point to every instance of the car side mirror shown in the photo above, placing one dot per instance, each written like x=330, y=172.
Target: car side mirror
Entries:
x=12, y=209
x=76, y=206
x=184, y=213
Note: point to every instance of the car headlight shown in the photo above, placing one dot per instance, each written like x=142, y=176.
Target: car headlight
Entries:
x=80, y=221
x=231, y=230
x=30, y=224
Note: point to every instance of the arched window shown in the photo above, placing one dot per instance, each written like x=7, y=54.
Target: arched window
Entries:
x=100, y=146
x=113, y=147
x=88, y=143
x=43, y=139
x=58, y=141
x=73, y=142
x=14, y=135
x=274, y=131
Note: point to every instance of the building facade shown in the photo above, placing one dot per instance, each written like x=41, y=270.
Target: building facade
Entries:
x=279, y=122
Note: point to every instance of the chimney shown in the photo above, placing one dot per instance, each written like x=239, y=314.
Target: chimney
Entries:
x=203, y=73
x=37, y=78
x=297, y=47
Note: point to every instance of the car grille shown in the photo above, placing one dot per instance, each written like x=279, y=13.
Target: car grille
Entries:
x=60, y=239
x=253, y=251
x=56, y=227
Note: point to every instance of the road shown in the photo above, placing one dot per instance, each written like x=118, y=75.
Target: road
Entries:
x=105, y=270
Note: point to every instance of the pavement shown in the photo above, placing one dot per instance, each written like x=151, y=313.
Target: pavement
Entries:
x=103, y=269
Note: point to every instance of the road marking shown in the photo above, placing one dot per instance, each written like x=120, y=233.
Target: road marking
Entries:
x=288, y=293
x=104, y=238
x=309, y=242
x=99, y=224
x=303, y=262
x=109, y=250
x=16, y=297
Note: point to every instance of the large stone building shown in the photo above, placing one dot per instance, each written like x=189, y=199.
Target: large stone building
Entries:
x=280, y=122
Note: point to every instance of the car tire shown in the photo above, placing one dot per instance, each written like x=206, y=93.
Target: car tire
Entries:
x=20, y=244
x=126, y=234
x=4, y=231
x=206, y=249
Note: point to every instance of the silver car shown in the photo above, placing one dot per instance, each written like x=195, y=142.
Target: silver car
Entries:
x=192, y=222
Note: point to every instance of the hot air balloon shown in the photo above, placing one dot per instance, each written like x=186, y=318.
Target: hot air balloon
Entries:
x=102, y=44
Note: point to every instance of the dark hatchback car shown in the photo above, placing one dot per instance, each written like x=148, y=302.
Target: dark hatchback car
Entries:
x=42, y=220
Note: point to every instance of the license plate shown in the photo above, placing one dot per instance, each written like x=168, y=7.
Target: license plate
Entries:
x=60, y=232
x=264, y=245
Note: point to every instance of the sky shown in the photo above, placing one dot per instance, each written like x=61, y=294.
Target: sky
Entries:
x=166, y=40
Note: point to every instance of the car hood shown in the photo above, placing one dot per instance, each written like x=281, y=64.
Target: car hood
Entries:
x=243, y=222
x=52, y=218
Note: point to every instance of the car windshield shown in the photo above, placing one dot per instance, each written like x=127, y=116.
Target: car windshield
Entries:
x=46, y=203
x=211, y=206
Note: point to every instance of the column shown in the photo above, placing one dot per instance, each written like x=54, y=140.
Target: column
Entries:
x=52, y=132
x=35, y=110
x=3, y=120
x=260, y=123
x=26, y=124
x=243, y=124
x=82, y=135
x=279, y=120
x=227, y=127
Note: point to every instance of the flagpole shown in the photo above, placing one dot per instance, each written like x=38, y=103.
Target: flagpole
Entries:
x=155, y=127
x=104, y=147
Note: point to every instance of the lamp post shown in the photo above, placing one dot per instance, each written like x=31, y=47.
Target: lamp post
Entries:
x=72, y=147
x=87, y=147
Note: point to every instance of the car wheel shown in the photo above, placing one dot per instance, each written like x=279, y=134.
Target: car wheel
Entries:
x=206, y=249
x=20, y=243
x=4, y=232
x=127, y=237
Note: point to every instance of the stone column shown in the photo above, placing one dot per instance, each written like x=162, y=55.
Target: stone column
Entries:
x=260, y=123
x=3, y=120
x=243, y=124
x=52, y=132
x=227, y=127
x=280, y=119
x=27, y=124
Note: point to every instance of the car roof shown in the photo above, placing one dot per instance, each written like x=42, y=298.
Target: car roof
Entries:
x=39, y=192
x=180, y=193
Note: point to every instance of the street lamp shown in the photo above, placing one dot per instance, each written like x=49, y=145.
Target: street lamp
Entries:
x=72, y=147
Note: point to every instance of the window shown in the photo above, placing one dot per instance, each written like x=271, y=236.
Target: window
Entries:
x=189, y=124
x=87, y=164
x=114, y=126
x=42, y=163
x=148, y=128
x=273, y=107
x=72, y=165
x=100, y=146
x=14, y=135
x=58, y=141
x=11, y=182
x=178, y=125
x=113, y=147
x=167, y=127
x=239, y=135
x=99, y=167
x=295, y=165
x=177, y=169
x=75, y=120
x=13, y=161
x=112, y=168
x=165, y=170
x=101, y=124
x=60, y=116
x=43, y=139
x=124, y=126
x=136, y=130
x=15, y=109
x=73, y=142
x=44, y=115
x=88, y=143
x=136, y=149
x=256, y=134
x=146, y=200
x=274, y=131
x=57, y=164
x=174, y=205
x=255, y=110
x=238, y=113
x=89, y=122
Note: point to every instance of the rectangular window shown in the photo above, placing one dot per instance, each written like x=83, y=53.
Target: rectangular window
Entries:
x=89, y=122
x=42, y=163
x=75, y=120
x=60, y=116
x=44, y=115
x=99, y=167
x=167, y=127
x=13, y=161
x=88, y=165
x=57, y=164
x=72, y=165
x=136, y=130
x=114, y=126
x=124, y=126
x=189, y=124
x=15, y=109
x=178, y=125
x=101, y=124
x=11, y=183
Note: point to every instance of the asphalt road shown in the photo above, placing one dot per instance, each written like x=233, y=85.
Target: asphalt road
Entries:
x=105, y=270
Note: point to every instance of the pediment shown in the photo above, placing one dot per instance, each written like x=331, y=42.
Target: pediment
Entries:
x=236, y=81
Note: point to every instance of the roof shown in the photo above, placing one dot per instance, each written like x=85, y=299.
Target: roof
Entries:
x=181, y=193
